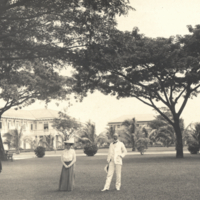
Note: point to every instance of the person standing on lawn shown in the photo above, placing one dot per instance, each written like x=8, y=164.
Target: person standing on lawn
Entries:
x=68, y=159
x=116, y=152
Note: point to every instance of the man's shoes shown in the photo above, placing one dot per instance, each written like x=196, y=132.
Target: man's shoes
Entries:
x=117, y=189
x=104, y=190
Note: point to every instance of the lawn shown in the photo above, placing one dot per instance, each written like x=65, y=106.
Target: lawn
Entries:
x=151, y=177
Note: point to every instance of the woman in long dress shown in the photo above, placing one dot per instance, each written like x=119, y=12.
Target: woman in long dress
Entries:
x=68, y=158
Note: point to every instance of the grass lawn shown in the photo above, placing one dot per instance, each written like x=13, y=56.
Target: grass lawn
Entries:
x=151, y=177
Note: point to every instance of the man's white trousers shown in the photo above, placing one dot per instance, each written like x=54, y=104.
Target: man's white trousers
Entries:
x=117, y=168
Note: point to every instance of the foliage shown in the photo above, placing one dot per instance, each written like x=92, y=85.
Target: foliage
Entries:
x=141, y=144
x=109, y=132
x=14, y=138
x=90, y=149
x=162, y=131
x=44, y=141
x=87, y=134
x=152, y=70
x=66, y=126
x=47, y=141
x=129, y=132
x=134, y=135
x=193, y=148
x=40, y=151
x=164, y=135
x=38, y=38
x=192, y=137
x=31, y=141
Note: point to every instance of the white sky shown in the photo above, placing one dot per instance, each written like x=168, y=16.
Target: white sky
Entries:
x=154, y=18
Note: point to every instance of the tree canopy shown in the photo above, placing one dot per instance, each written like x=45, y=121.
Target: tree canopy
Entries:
x=153, y=70
x=38, y=38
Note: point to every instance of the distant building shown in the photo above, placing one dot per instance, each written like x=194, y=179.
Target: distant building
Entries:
x=36, y=124
x=141, y=119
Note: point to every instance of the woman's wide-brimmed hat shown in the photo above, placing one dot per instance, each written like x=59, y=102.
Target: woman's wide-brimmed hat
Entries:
x=69, y=141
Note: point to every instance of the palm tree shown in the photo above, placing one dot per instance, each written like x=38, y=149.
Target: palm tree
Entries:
x=136, y=136
x=47, y=141
x=128, y=132
x=44, y=141
x=87, y=134
x=31, y=141
x=14, y=138
x=164, y=134
x=110, y=131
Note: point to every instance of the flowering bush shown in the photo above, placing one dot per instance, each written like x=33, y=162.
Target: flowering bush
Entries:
x=90, y=149
x=40, y=151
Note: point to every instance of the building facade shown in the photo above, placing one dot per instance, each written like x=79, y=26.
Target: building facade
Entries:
x=141, y=120
x=35, y=123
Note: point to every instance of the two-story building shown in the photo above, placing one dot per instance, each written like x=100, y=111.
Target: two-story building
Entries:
x=36, y=124
x=141, y=119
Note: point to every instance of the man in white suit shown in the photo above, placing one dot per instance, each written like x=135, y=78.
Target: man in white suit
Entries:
x=116, y=152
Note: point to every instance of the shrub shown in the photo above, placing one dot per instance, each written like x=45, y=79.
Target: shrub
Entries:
x=40, y=151
x=141, y=144
x=90, y=149
x=193, y=145
x=193, y=148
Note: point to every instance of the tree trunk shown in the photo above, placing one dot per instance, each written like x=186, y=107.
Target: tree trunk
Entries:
x=179, y=142
x=133, y=142
x=2, y=152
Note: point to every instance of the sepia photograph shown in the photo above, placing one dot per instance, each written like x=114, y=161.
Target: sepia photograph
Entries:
x=99, y=99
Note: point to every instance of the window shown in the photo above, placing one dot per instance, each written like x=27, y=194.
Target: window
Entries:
x=46, y=126
x=31, y=127
x=35, y=126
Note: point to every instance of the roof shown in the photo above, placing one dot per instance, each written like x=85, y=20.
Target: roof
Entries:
x=31, y=114
x=138, y=117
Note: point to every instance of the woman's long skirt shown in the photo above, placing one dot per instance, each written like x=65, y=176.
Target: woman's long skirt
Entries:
x=67, y=178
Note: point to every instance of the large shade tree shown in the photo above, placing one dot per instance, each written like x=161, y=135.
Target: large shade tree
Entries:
x=162, y=131
x=153, y=70
x=38, y=37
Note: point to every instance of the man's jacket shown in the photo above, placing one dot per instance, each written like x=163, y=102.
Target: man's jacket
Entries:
x=116, y=152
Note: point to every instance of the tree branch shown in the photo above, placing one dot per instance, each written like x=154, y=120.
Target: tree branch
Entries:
x=184, y=102
x=195, y=88
x=158, y=110
x=176, y=100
